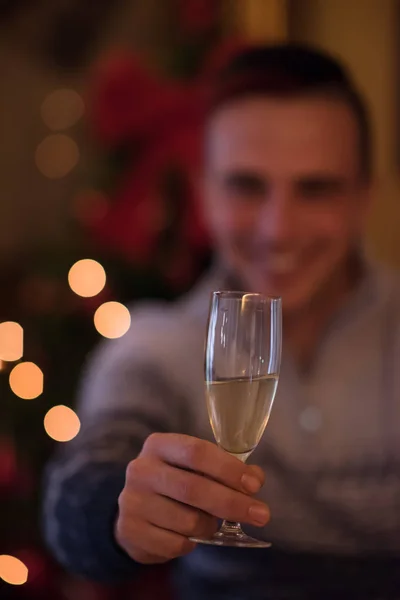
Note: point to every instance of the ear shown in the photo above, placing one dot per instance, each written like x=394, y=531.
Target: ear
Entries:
x=367, y=195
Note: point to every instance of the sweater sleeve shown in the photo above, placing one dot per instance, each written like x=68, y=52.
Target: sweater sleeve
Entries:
x=125, y=396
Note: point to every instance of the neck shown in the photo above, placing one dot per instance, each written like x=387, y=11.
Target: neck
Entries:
x=304, y=329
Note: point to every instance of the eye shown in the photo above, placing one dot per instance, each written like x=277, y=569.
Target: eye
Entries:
x=323, y=188
x=245, y=184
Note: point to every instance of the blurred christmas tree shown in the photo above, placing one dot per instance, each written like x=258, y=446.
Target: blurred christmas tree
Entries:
x=138, y=217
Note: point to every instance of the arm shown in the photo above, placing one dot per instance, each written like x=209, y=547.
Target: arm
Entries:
x=123, y=400
x=175, y=487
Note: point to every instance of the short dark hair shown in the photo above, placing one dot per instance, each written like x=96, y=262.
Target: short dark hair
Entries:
x=287, y=70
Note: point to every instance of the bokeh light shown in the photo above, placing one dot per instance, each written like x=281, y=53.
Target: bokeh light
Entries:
x=11, y=341
x=112, y=320
x=62, y=423
x=13, y=570
x=26, y=380
x=62, y=108
x=87, y=278
x=56, y=156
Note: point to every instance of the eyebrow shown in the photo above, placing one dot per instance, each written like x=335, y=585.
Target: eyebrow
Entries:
x=243, y=176
x=321, y=181
x=312, y=182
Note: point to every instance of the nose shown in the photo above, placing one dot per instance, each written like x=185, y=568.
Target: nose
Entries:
x=277, y=223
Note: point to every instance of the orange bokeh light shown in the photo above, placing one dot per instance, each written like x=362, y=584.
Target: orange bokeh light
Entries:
x=11, y=341
x=62, y=108
x=62, y=423
x=112, y=320
x=26, y=380
x=87, y=278
x=13, y=570
x=57, y=155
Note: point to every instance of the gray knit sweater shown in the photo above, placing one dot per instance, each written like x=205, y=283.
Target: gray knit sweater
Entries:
x=331, y=453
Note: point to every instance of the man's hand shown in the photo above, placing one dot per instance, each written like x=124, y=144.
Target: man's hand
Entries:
x=177, y=488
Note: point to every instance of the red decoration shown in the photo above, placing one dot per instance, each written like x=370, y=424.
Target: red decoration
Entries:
x=221, y=55
x=39, y=569
x=25, y=482
x=90, y=207
x=165, y=119
x=8, y=465
x=160, y=123
x=126, y=100
x=139, y=215
x=43, y=295
x=198, y=16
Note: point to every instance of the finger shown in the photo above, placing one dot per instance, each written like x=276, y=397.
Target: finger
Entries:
x=123, y=533
x=206, y=458
x=145, y=542
x=197, y=491
x=170, y=514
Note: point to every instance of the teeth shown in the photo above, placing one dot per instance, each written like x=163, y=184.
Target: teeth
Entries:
x=282, y=263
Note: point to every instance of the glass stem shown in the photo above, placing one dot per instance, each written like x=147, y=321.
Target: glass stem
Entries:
x=231, y=528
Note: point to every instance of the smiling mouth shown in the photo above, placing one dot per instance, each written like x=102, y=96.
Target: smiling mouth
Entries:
x=281, y=264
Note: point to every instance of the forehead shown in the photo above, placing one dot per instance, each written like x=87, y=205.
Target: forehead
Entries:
x=284, y=137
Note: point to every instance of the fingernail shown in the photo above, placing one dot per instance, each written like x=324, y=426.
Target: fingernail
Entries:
x=259, y=513
x=250, y=483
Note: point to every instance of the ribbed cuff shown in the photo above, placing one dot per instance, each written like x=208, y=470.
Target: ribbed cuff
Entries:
x=86, y=515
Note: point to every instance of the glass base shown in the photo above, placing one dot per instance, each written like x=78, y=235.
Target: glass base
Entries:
x=231, y=534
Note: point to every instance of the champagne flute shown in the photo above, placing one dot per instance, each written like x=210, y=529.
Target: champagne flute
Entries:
x=242, y=362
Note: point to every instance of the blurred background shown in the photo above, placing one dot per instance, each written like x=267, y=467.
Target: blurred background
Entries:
x=100, y=124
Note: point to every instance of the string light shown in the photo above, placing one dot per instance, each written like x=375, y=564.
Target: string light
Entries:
x=62, y=423
x=112, y=320
x=87, y=278
x=56, y=156
x=13, y=570
x=62, y=108
x=26, y=380
x=11, y=341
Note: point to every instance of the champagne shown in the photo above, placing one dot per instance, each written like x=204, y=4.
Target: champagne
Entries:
x=239, y=410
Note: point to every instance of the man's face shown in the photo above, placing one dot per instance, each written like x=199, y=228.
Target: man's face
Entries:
x=283, y=195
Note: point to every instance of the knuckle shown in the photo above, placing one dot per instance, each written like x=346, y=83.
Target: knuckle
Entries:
x=140, y=555
x=185, y=490
x=122, y=531
x=211, y=526
x=258, y=472
x=151, y=442
x=130, y=504
x=193, y=452
x=121, y=504
x=133, y=470
x=193, y=522
x=140, y=473
x=179, y=546
x=120, y=525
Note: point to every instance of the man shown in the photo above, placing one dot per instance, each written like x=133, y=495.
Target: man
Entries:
x=287, y=185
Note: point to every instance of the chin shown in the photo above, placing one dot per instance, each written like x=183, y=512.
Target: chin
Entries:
x=294, y=305
x=295, y=298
